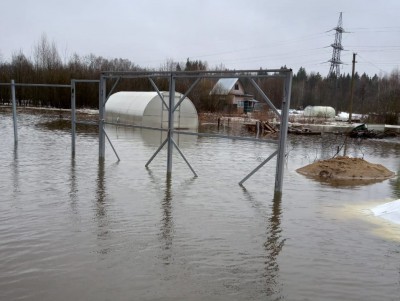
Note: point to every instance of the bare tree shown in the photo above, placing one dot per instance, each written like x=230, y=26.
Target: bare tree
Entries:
x=169, y=65
x=46, y=55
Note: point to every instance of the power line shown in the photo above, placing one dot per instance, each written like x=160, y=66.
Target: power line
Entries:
x=372, y=64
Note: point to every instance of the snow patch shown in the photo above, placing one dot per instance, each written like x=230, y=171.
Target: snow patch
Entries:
x=389, y=211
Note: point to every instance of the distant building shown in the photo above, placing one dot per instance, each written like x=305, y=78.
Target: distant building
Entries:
x=231, y=91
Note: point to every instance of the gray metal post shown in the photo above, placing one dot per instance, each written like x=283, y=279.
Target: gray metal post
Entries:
x=102, y=100
x=73, y=117
x=170, y=123
x=283, y=133
x=14, y=110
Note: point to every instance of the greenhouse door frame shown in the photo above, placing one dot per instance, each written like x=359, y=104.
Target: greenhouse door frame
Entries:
x=286, y=74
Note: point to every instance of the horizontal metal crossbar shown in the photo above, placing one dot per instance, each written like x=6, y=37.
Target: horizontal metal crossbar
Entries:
x=132, y=76
x=269, y=73
x=52, y=85
x=86, y=80
x=199, y=72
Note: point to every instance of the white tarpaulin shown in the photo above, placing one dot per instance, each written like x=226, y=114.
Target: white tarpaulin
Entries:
x=389, y=211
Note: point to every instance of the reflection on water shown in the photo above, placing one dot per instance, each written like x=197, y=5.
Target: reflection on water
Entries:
x=272, y=246
x=103, y=232
x=149, y=137
x=15, y=171
x=101, y=191
x=73, y=192
x=166, y=233
x=344, y=183
x=396, y=185
x=65, y=125
x=395, y=182
x=167, y=224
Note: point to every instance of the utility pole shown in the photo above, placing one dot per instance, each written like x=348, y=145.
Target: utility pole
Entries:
x=351, y=88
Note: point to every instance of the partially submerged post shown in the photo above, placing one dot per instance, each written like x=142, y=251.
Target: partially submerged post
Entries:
x=102, y=102
x=14, y=110
x=73, y=117
x=287, y=90
x=171, y=105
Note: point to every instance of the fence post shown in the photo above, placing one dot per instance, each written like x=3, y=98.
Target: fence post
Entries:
x=170, y=123
x=102, y=101
x=73, y=117
x=14, y=110
x=283, y=133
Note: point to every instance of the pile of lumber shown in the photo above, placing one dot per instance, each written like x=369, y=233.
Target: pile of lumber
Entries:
x=263, y=127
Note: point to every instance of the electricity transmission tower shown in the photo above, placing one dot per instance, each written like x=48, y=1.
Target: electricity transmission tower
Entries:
x=337, y=48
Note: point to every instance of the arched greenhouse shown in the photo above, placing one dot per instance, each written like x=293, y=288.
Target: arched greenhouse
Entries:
x=147, y=109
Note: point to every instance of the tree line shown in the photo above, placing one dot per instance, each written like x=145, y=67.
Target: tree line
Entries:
x=377, y=97
x=373, y=96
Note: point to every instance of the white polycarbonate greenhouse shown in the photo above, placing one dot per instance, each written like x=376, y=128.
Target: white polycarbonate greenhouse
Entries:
x=147, y=109
x=319, y=111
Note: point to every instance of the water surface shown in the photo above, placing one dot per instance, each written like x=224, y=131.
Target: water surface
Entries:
x=76, y=228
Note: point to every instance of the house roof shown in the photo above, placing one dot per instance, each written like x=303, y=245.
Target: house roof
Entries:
x=224, y=86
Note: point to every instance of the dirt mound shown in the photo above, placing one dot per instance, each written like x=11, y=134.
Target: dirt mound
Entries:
x=346, y=168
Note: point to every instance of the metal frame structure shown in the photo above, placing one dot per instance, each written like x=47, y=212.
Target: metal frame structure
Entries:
x=171, y=106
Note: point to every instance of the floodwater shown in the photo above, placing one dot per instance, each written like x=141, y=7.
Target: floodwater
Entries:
x=80, y=229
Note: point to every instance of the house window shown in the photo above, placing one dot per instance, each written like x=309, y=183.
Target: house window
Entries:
x=236, y=86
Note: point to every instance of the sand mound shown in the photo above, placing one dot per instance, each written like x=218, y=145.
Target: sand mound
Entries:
x=345, y=168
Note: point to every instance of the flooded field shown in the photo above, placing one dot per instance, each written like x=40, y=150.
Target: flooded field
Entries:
x=80, y=229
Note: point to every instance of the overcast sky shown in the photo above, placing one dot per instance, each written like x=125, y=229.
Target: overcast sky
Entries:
x=240, y=34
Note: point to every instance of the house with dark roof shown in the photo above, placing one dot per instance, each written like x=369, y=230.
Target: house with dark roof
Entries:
x=231, y=91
